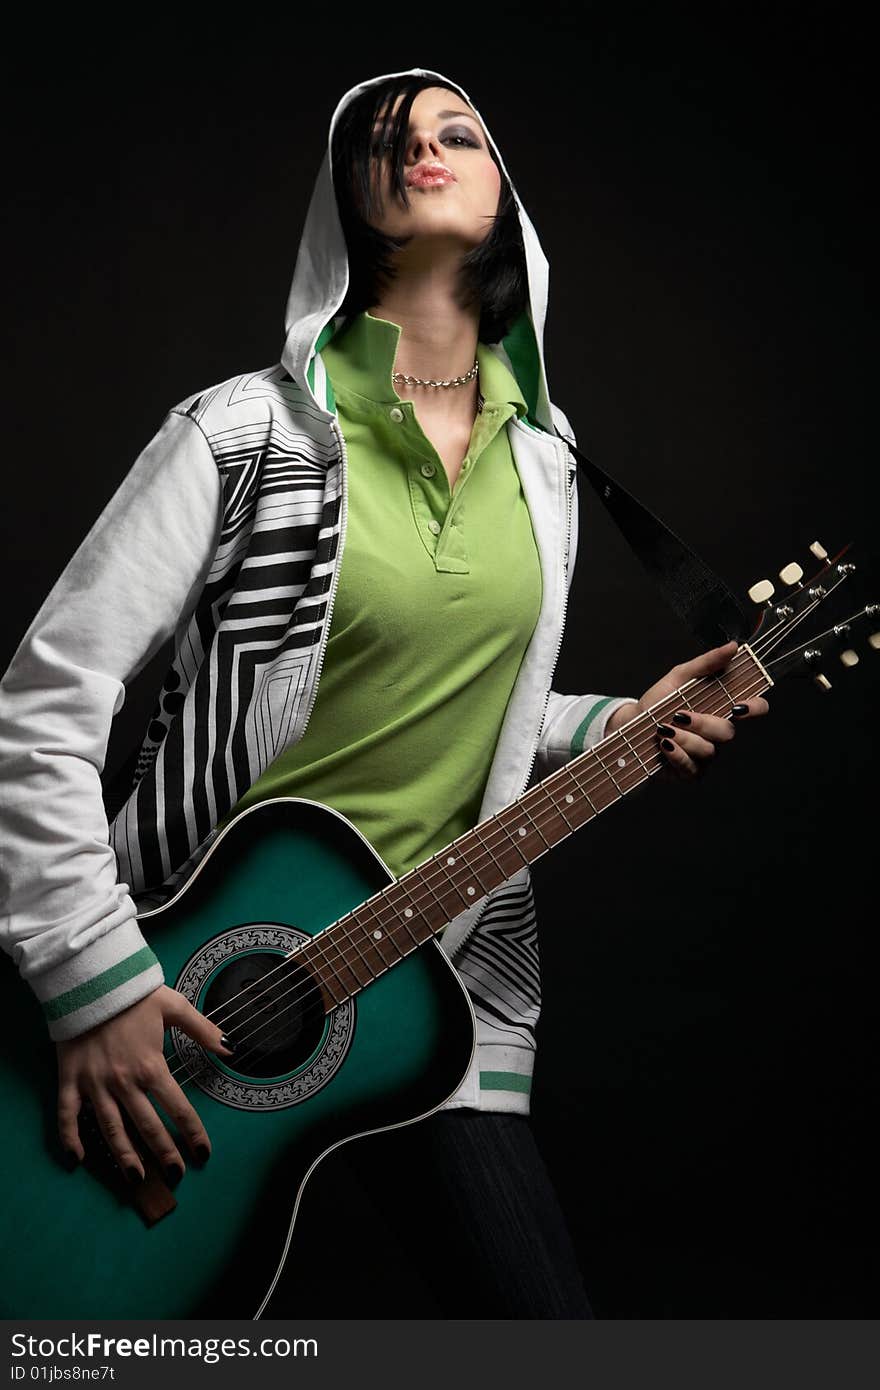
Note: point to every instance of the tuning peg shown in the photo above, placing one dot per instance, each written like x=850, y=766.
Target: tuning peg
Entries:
x=812, y=655
x=791, y=574
x=874, y=641
x=818, y=550
x=761, y=592
x=848, y=657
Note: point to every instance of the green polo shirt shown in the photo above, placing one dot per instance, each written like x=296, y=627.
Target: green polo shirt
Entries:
x=438, y=594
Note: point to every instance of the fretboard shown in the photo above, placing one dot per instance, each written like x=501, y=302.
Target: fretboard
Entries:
x=352, y=952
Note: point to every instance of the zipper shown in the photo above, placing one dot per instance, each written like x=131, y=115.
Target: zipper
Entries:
x=472, y=928
x=343, y=517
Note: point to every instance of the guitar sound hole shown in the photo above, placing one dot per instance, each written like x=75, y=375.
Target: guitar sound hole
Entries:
x=271, y=1008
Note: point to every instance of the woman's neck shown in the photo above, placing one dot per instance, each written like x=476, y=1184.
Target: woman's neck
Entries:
x=438, y=339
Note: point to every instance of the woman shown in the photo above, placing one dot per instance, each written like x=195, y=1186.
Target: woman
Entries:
x=361, y=556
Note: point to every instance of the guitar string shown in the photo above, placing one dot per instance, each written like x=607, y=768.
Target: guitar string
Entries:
x=766, y=643
x=646, y=739
x=503, y=839
x=313, y=989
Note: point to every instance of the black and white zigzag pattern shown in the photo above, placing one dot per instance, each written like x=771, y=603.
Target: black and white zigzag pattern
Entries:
x=499, y=965
x=236, y=692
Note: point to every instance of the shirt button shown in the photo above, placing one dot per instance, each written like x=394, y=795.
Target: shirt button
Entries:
x=427, y=470
x=466, y=464
x=396, y=414
x=434, y=526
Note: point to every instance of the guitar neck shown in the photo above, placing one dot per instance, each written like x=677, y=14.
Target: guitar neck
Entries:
x=351, y=953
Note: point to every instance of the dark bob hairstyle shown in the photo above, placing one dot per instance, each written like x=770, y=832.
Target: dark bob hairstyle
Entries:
x=493, y=274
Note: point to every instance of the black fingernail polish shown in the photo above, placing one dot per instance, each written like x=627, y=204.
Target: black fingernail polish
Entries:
x=665, y=729
x=134, y=1175
x=739, y=710
x=667, y=744
x=173, y=1173
x=203, y=1153
x=228, y=1043
x=681, y=719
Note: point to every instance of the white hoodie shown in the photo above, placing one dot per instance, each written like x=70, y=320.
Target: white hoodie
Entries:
x=225, y=537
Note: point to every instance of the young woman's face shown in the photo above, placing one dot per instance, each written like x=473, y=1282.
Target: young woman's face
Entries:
x=457, y=205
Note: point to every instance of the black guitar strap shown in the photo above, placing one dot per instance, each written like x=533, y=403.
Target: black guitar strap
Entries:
x=693, y=591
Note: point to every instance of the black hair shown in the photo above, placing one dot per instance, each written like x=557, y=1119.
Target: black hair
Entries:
x=494, y=273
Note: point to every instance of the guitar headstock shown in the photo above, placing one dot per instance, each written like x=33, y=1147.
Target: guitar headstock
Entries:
x=776, y=637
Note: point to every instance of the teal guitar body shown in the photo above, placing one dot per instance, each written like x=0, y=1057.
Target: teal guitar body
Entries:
x=76, y=1244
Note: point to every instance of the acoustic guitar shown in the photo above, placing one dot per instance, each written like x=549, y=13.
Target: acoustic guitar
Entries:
x=349, y=1018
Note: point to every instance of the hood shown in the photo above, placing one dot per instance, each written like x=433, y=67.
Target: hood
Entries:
x=320, y=282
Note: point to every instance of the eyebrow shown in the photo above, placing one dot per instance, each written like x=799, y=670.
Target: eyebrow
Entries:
x=447, y=115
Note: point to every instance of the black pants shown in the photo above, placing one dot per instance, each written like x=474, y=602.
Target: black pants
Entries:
x=454, y=1216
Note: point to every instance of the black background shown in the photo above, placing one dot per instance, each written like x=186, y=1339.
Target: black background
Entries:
x=700, y=182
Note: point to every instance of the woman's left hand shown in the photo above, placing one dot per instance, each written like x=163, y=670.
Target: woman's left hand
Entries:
x=689, y=740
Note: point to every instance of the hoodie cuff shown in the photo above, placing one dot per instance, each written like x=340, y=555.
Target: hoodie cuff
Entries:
x=590, y=729
x=101, y=980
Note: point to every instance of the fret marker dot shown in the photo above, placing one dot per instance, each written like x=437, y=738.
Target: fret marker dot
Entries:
x=377, y=935
x=522, y=830
x=621, y=762
x=407, y=912
x=451, y=859
x=569, y=797
x=472, y=891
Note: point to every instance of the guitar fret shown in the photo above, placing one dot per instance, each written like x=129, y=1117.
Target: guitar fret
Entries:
x=377, y=941
x=488, y=848
x=412, y=911
x=514, y=847
x=451, y=878
x=372, y=959
x=447, y=917
x=404, y=917
x=608, y=773
x=331, y=954
x=635, y=751
x=322, y=978
x=352, y=936
x=574, y=805
x=514, y=839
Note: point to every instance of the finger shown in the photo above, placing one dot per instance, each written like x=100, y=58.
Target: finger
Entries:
x=745, y=709
x=713, y=660
x=697, y=748
x=677, y=758
x=112, y=1126
x=708, y=726
x=178, y=1010
x=187, y=1119
x=151, y=1126
x=69, y=1106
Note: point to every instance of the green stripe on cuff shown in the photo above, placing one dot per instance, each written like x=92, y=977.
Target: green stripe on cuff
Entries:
x=99, y=985
x=577, y=738
x=504, y=1081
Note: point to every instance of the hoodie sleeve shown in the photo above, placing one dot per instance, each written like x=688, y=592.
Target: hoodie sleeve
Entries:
x=572, y=723
x=66, y=921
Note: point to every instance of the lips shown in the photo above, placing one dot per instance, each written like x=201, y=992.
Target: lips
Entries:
x=429, y=176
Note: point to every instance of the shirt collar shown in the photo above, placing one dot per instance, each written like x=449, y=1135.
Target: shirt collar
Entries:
x=360, y=359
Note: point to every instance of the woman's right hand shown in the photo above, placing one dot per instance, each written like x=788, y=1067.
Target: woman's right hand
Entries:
x=115, y=1064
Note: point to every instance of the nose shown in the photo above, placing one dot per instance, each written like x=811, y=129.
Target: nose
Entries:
x=423, y=144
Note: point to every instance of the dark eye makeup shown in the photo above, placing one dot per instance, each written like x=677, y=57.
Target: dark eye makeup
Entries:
x=461, y=136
